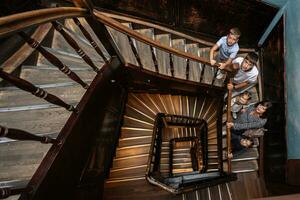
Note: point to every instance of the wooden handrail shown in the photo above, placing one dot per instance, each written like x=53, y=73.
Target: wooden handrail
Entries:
x=120, y=27
x=13, y=23
x=228, y=132
x=129, y=32
x=164, y=29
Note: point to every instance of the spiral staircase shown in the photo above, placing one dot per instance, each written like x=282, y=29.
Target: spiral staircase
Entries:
x=171, y=56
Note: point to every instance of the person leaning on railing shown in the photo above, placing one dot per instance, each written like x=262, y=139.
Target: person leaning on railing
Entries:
x=251, y=118
x=246, y=71
x=225, y=50
x=254, y=117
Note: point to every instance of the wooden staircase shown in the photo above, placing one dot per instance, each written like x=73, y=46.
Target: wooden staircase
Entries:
x=22, y=110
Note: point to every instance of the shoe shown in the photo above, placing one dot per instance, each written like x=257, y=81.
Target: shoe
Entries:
x=219, y=74
x=255, y=142
x=234, y=115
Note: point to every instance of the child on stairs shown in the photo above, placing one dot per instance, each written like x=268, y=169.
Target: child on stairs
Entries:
x=227, y=47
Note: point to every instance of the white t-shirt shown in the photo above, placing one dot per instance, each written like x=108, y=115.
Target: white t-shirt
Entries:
x=226, y=51
x=242, y=76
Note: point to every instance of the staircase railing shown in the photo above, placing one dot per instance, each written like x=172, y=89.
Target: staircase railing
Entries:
x=163, y=29
x=10, y=25
x=199, y=177
x=107, y=19
x=18, y=22
x=228, y=132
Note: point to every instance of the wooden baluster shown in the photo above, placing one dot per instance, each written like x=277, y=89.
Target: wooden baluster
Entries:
x=134, y=50
x=90, y=39
x=7, y=192
x=29, y=87
x=18, y=134
x=154, y=59
x=74, y=45
x=228, y=132
x=187, y=71
x=214, y=78
x=202, y=72
x=53, y=59
x=171, y=65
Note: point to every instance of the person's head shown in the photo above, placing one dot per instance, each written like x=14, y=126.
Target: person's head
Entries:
x=233, y=36
x=262, y=107
x=244, y=98
x=249, y=61
x=246, y=142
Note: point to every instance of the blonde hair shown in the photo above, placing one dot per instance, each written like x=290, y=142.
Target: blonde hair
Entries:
x=235, y=31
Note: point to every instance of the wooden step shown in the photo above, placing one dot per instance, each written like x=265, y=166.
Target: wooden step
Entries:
x=132, y=151
x=179, y=63
x=20, y=172
x=138, y=104
x=70, y=24
x=130, y=161
x=127, y=132
x=128, y=172
x=195, y=68
x=136, y=123
x=83, y=43
x=249, y=154
x=36, y=121
x=208, y=71
x=67, y=57
x=132, y=141
x=46, y=76
x=20, y=159
x=163, y=58
x=144, y=50
x=243, y=166
x=58, y=42
x=71, y=63
x=17, y=97
x=135, y=113
x=123, y=45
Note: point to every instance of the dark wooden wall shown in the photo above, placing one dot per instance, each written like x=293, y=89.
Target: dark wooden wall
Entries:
x=206, y=18
x=273, y=72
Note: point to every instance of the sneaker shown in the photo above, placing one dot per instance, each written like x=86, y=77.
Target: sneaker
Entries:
x=234, y=115
x=219, y=74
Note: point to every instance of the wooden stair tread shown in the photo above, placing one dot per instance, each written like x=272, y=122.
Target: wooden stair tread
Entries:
x=37, y=76
x=10, y=98
x=49, y=120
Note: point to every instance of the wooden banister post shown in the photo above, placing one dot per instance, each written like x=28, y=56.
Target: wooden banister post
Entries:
x=74, y=45
x=7, y=192
x=18, y=134
x=53, y=60
x=228, y=132
x=36, y=91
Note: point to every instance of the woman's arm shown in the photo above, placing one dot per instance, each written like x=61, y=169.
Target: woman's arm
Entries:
x=250, y=125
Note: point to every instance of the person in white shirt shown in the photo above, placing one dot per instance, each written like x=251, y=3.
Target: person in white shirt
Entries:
x=225, y=50
x=247, y=71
